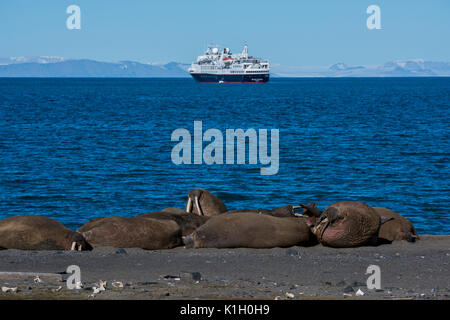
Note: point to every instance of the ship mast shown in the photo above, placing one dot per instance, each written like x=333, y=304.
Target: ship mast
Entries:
x=245, y=51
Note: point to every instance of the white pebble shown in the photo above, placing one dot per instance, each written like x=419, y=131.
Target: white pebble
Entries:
x=290, y=295
x=117, y=284
x=359, y=292
x=57, y=289
x=6, y=289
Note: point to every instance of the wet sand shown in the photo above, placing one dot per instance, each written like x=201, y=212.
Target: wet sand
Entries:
x=418, y=270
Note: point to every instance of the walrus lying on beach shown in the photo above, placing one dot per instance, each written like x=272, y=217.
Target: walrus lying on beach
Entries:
x=136, y=232
x=33, y=232
x=395, y=227
x=187, y=222
x=204, y=203
x=347, y=224
x=249, y=230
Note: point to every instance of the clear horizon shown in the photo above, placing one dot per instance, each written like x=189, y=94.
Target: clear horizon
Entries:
x=288, y=33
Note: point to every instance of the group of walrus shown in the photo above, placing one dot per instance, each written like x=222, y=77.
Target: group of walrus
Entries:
x=206, y=223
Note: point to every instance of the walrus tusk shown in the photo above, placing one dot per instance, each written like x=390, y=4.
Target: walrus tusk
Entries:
x=73, y=246
x=326, y=226
x=295, y=208
x=189, y=205
x=80, y=247
x=197, y=205
x=320, y=228
x=298, y=215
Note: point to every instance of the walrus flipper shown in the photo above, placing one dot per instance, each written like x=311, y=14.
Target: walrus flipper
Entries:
x=188, y=242
x=310, y=209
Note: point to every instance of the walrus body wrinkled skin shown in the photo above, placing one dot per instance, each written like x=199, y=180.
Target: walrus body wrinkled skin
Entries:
x=137, y=232
x=33, y=232
x=285, y=211
x=347, y=224
x=249, y=230
x=396, y=227
x=188, y=222
x=173, y=210
x=204, y=203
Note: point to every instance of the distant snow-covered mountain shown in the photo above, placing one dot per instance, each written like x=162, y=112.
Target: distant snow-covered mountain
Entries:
x=42, y=59
x=60, y=67
x=400, y=68
x=340, y=66
x=49, y=66
x=415, y=68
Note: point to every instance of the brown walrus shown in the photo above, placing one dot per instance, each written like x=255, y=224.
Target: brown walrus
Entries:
x=188, y=222
x=395, y=227
x=33, y=232
x=249, y=230
x=136, y=232
x=204, y=203
x=347, y=224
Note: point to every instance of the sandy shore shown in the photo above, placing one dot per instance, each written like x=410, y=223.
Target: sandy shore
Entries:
x=418, y=270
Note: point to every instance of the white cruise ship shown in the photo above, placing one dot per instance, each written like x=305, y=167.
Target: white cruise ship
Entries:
x=220, y=65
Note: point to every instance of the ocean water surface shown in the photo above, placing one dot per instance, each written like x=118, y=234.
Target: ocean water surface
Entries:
x=76, y=149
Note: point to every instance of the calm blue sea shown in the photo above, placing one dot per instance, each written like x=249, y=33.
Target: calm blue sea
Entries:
x=75, y=149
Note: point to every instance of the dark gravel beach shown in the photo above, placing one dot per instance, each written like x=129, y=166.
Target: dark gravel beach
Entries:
x=408, y=271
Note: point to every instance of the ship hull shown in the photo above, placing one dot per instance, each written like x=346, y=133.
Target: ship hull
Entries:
x=231, y=78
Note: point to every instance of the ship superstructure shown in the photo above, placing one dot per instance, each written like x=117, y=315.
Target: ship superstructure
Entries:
x=220, y=65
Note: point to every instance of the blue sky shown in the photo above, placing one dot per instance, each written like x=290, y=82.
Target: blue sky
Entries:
x=294, y=33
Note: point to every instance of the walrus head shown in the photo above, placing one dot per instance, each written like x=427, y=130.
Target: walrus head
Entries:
x=204, y=203
x=78, y=242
